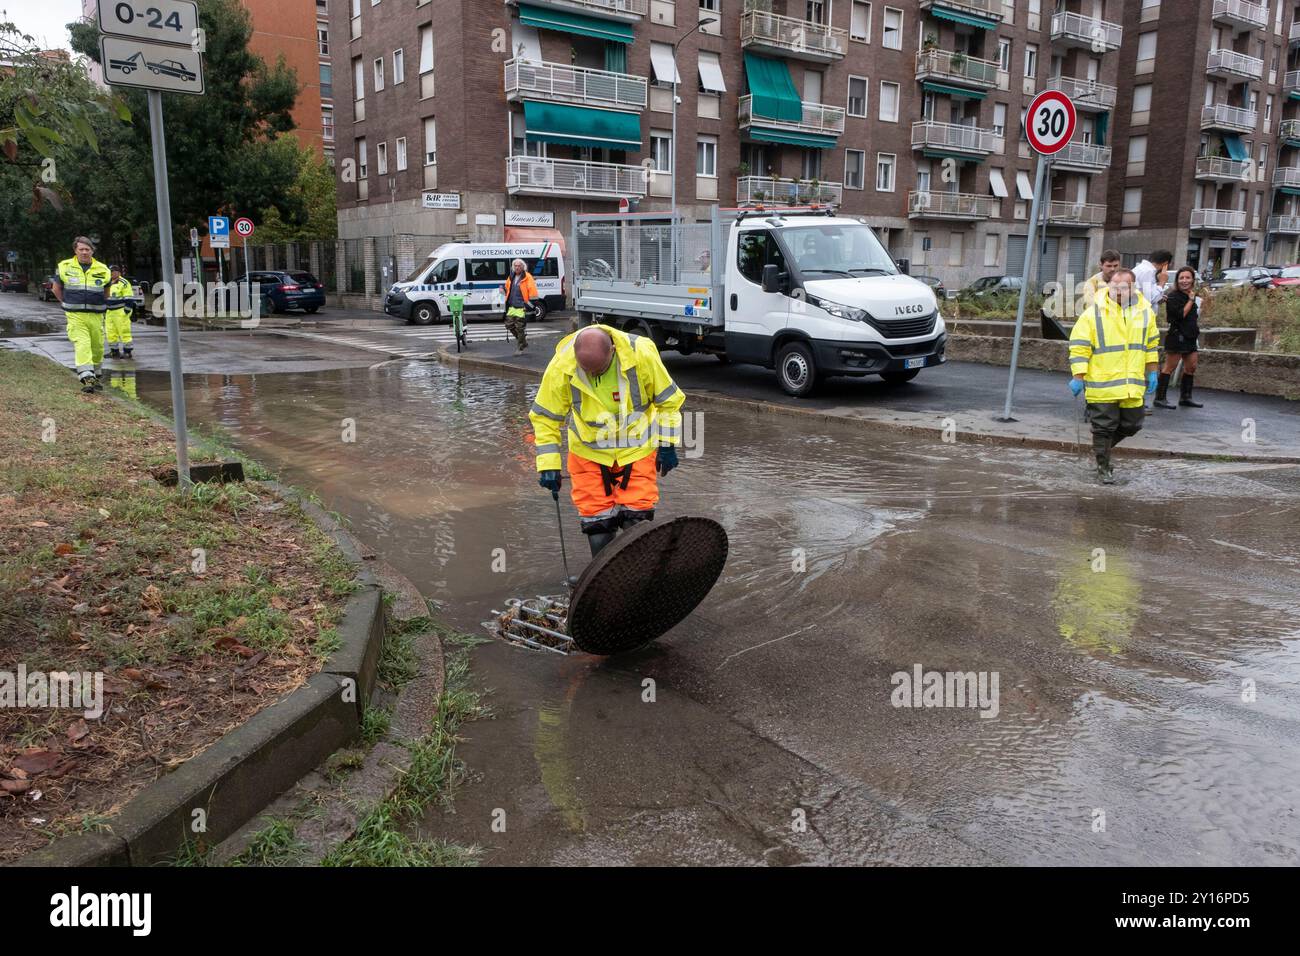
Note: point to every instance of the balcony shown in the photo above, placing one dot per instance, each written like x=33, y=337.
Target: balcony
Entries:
x=1234, y=118
x=1286, y=176
x=1221, y=169
x=1287, y=225
x=790, y=37
x=945, y=67
x=1294, y=33
x=1090, y=33
x=1082, y=158
x=932, y=204
x=1241, y=14
x=1218, y=220
x=627, y=11
x=954, y=138
x=817, y=118
x=1289, y=132
x=538, y=176
x=1233, y=65
x=1088, y=95
x=559, y=83
x=1291, y=82
x=980, y=9
x=1085, y=215
x=776, y=192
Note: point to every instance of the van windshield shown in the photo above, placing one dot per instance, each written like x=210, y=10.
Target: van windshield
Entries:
x=839, y=250
x=419, y=271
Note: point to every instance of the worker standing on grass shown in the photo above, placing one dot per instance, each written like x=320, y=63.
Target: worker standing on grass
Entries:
x=1114, y=349
x=521, y=291
x=81, y=285
x=117, y=320
x=624, y=423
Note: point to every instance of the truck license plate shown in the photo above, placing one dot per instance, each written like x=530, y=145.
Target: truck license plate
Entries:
x=915, y=363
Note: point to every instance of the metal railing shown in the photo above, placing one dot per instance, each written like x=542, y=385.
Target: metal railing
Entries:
x=791, y=34
x=565, y=177
x=1289, y=130
x=1233, y=63
x=817, y=118
x=1077, y=213
x=638, y=8
x=1084, y=154
x=1221, y=167
x=1291, y=82
x=1087, y=94
x=777, y=192
x=574, y=83
x=937, y=204
x=1223, y=116
x=621, y=250
x=957, y=67
x=1241, y=11
x=1218, y=219
x=984, y=8
x=1078, y=28
x=969, y=139
x=1285, y=224
x=1286, y=176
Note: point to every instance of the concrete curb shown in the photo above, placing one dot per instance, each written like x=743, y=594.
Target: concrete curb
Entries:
x=926, y=431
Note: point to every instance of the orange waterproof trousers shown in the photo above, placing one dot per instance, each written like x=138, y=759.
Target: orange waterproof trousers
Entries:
x=603, y=496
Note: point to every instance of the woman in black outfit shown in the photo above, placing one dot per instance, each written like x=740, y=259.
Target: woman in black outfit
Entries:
x=1180, y=341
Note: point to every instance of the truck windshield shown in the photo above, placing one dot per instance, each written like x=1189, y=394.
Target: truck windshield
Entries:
x=845, y=250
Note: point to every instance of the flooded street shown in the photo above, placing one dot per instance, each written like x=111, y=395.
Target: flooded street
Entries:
x=1143, y=638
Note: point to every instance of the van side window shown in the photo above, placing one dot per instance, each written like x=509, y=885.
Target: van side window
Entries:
x=445, y=271
x=547, y=268
x=754, y=250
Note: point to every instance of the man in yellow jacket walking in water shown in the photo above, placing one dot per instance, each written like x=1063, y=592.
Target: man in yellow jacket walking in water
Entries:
x=1114, y=348
x=117, y=321
x=81, y=284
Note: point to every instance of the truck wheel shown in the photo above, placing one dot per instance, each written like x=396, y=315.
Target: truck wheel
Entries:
x=654, y=334
x=796, y=369
x=426, y=313
x=898, y=378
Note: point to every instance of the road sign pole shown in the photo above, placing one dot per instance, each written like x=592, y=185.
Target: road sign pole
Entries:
x=1030, y=248
x=163, y=197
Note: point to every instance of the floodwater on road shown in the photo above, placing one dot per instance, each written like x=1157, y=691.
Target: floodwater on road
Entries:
x=1135, y=681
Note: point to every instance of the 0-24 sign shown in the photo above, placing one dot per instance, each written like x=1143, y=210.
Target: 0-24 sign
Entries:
x=162, y=21
x=1050, y=122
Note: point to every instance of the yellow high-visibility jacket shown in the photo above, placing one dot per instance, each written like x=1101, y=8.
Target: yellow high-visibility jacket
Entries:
x=119, y=299
x=85, y=291
x=1112, y=346
x=650, y=413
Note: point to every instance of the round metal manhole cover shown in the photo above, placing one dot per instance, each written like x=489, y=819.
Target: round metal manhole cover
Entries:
x=645, y=582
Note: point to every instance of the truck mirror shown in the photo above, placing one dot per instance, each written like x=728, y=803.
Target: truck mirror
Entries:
x=771, y=278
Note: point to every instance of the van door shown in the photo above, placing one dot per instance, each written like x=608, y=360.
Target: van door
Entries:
x=754, y=316
x=485, y=277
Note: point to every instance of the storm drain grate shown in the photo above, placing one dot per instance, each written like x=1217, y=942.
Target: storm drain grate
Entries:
x=539, y=623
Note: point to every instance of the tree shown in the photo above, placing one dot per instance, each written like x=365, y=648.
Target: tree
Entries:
x=313, y=192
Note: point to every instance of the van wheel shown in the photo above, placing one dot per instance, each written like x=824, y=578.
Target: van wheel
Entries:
x=796, y=369
x=898, y=378
x=426, y=313
x=539, y=312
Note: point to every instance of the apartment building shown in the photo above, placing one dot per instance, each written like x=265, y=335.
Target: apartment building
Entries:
x=1207, y=132
x=325, y=79
x=471, y=118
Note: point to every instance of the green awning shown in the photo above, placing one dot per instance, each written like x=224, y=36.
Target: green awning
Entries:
x=970, y=19
x=1236, y=148
x=1290, y=190
x=773, y=92
x=581, y=126
x=546, y=19
x=943, y=154
x=952, y=90
x=811, y=140
x=1294, y=95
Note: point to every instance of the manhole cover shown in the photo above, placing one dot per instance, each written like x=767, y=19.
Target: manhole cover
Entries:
x=293, y=358
x=645, y=582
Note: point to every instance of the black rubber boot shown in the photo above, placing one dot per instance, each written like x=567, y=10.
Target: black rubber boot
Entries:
x=113, y=353
x=1101, y=446
x=126, y=352
x=599, y=540
x=88, y=384
x=1162, y=393
x=1186, y=394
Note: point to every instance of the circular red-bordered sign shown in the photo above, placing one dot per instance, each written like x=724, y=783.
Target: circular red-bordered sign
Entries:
x=1050, y=122
x=244, y=227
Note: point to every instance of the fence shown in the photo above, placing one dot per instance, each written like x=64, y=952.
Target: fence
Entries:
x=631, y=251
x=364, y=267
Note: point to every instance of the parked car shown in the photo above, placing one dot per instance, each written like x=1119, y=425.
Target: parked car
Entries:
x=46, y=292
x=1240, y=277
x=935, y=283
x=1288, y=277
x=137, y=295
x=288, y=290
x=12, y=282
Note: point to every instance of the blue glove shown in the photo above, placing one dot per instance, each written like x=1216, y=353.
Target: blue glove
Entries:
x=1151, y=383
x=666, y=460
x=551, y=480
x=1076, y=387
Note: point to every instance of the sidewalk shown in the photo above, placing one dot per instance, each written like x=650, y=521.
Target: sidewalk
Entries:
x=963, y=399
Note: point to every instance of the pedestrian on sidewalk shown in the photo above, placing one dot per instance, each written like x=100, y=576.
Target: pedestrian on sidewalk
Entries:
x=81, y=285
x=1114, y=349
x=521, y=291
x=1182, y=310
x=117, y=320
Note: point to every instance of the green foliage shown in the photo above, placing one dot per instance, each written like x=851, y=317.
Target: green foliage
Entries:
x=312, y=193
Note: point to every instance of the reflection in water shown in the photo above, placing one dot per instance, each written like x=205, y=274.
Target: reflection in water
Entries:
x=1097, y=602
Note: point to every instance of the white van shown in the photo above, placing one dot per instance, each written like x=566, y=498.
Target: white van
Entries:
x=477, y=271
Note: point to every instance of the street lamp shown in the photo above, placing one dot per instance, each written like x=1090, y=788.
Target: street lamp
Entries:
x=672, y=220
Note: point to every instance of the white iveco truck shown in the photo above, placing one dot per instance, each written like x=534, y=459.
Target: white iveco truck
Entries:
x=802, y=291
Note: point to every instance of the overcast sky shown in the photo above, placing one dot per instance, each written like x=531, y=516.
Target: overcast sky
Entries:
x=44, y=19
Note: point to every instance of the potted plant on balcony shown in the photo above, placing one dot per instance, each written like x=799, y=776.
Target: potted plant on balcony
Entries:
x=931, y=42
x=742, y=170
x=957, y=62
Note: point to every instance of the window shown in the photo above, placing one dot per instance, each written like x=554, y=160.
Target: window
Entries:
x=426, y=49
x=487, y=270
x=327, y=124
x=885, y=172
x=1137, y=153
x=379, y=73
x=430, y=142
x=860, y=22
x=710, y=68
x=755, y=249
x=1133, y=201
x=362, y=168
x=358, y=79
x=399, y=67
x=991, y=249
x=327, y=81
x=661, y=151
x=665, y=67
x=445, y=271
x=924, y=176
x=893, y=31
x=1147, y=45
x=711, y=5
x=400, y=146
x=812, y=163
x=999, y=119
x=1263, y=161
x=1031, y=60
x=855, y=161
x=706, y=156
x=1004, y=54
x=322, y=41
x=1142, y=98
x=381, y=159
x=888, y=102
x=1268, y=108
x=857, y=103
x=998, y=183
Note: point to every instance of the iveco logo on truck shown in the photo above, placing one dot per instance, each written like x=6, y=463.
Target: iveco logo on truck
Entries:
x=909, y=309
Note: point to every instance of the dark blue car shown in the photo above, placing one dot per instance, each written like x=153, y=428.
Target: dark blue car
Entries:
x=282, y=291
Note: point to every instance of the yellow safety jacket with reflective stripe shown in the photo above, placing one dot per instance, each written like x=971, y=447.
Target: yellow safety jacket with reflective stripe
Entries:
x=119, y=298
x=85, y=291
x=650, y=406
x=1112, y=346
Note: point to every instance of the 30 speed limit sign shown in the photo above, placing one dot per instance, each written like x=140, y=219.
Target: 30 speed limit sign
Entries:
x=1050, y=122
x=243, y=227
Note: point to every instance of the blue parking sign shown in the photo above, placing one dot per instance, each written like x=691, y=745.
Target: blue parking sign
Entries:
x=218, y=226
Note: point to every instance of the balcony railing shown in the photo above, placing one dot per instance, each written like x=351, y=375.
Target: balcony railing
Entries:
x=1222, y=169
x=953, y=136
x=1083, y=156
x=1227, y=220
x=1294, y=33
x=1074, y=29
x=938, y=204
x=987, y=9
x=817, y=118
x=1291, y=82
x=1087, y=94
x=1241, y=13
x=1224, y=62
x=564, y=177
x=1286, y=176
x=1289, y=225
x=1076, y=213
x=775, y=192
x=789, y=36
x=1223, y=116
x=573, y=84
x=612, y=9
x=956, y=68
x=1290, y=131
